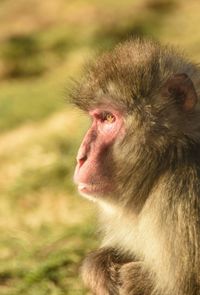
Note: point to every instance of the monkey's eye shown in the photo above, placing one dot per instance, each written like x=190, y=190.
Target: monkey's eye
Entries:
x=107, y=117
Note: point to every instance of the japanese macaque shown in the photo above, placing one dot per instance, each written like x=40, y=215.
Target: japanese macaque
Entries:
x=140, y=162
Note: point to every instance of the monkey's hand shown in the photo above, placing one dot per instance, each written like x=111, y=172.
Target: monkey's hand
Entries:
x=134, y=279
x=100, y=271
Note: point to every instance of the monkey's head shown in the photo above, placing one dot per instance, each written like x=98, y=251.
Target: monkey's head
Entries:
x=144, y=109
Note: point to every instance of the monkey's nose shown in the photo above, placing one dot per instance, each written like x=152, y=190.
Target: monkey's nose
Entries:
x=81, y=160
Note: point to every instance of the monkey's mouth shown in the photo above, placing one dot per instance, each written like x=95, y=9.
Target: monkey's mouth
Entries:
x=88, y=188
x=92, y=189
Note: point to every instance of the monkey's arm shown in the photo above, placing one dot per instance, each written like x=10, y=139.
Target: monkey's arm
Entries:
x=134, y=279
x=100, y=271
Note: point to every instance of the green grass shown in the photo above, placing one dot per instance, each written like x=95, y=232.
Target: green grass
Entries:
x=48, y=262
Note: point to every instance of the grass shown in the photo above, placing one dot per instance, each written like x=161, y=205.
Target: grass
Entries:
x=30, y=100
x=46, y=228
x=16, y=107
x=48, y=267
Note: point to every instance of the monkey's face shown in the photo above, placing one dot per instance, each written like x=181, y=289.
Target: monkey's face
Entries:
x=142, y=101
x=94, y=171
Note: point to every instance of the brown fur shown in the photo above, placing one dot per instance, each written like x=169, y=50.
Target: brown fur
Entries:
x=153, y=217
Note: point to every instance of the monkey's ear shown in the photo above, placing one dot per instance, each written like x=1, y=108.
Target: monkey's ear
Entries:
x=180, y=87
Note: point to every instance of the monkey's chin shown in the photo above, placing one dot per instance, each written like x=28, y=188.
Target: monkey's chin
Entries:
x=86, y=194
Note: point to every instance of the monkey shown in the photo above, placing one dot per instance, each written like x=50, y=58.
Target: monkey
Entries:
x=140, y=163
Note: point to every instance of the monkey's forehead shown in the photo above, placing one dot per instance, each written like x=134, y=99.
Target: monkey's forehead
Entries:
x=133, y=71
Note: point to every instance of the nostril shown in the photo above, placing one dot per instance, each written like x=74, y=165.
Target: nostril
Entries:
x=82, y=160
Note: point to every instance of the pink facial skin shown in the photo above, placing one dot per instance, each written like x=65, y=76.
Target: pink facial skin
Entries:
x=90, y=176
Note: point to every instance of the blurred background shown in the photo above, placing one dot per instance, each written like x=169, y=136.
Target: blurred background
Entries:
x=45, y=227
